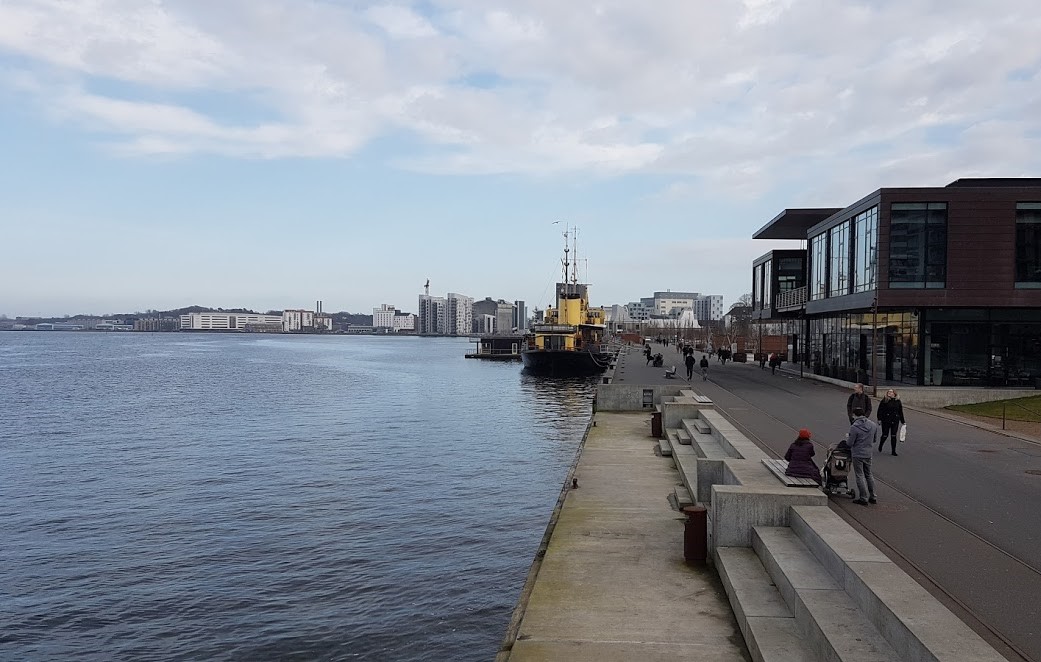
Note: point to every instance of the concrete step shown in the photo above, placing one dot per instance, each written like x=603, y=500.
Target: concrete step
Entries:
x=917, y=625
x=697, y=426
x=709, y=448
x=831, y=622
x=766, y=622
x=665, y=447
x=683, y=436
x=683, y=498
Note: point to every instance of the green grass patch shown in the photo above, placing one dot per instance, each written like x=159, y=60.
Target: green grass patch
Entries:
x=1016, y=409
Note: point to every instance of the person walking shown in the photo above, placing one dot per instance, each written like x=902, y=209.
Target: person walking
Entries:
x=704, y=368
x=762, y=360
x=800, y=458
x=775, y=362
x=858, y=398
x=689, y=361
x=861, y=442
x=890, y=418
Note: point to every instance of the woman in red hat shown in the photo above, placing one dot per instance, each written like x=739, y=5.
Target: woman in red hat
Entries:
x=800, y=458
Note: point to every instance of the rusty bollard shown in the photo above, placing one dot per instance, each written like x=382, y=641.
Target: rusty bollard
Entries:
x=695, y=535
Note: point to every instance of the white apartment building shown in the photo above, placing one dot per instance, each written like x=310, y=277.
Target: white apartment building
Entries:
x=297, y=320
x=229, y=322
x=459, y=314
x=637, y=311
x=431, y=320
x=404, y=322
x=709, y=307
x=383, y=317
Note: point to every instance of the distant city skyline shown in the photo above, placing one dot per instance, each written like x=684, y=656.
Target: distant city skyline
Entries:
x=270, y=153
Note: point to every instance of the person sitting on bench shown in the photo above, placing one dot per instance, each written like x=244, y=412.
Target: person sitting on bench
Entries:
x=800, y=458
x=671, y=372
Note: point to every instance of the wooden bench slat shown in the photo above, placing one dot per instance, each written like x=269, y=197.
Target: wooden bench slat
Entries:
x=777, y=467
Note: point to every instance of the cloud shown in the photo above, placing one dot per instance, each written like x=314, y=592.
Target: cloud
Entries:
x=738, y=97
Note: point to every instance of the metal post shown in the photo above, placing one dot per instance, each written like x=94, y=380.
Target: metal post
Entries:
x=874, y=351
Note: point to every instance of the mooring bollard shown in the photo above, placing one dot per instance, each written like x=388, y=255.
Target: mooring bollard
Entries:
x=695, y=535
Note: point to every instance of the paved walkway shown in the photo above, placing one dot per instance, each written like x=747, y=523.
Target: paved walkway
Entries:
x=958, y=509
x=613, y=583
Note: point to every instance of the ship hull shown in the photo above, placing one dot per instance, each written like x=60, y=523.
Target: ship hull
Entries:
x=563, y=363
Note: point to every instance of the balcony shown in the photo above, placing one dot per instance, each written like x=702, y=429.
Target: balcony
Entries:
x=790, y=301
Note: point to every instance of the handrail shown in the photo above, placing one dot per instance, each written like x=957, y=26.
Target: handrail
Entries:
x=791, y=299
x=1015, y=404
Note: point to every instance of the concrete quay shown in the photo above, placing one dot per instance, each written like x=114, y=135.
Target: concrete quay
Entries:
x=613, y=584
x=802, y=582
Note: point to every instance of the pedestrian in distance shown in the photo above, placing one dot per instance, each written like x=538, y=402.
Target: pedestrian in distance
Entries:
x=689, y=362
x=704, y=368
x=890, y=418
x=800, y=458
x=861, y=442
x=775, y=363
x=858, y=398
x=762, y=360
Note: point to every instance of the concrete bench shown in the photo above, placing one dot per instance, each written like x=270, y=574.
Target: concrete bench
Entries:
x=778, y=467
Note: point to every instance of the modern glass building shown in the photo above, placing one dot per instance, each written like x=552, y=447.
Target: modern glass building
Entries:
x=918, y=286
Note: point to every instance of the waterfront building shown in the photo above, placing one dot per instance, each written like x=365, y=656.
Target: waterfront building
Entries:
x=637, y=311
x=484, y=324
x=404, y=322
x=520, y=316
x=459, y=314
x=925, y=286
x=215, y=321
x=157, y=324
x=296, y=320
x=432, y=310
x=383, y=317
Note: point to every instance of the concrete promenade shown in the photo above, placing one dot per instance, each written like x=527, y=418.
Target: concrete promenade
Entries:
x=958, y=509
x=613, y=584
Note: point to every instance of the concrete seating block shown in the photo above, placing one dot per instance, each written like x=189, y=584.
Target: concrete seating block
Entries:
x=827, y=616
x=778, y=467
x=664, y=447
x=766, y=622
x=683, y=497
x=917, y=625
x=736, y=509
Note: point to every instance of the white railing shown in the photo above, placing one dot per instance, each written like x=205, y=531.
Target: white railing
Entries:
x=791, y=299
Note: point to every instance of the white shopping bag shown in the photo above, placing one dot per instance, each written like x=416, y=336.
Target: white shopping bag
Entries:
x=902, y=433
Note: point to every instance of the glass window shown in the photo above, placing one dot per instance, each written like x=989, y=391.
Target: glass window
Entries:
x=838, y=251
x=818, y=267
x=918, y=244
x=1028, y=242
x=757, y=287
x=865, y=250
x=767, y=284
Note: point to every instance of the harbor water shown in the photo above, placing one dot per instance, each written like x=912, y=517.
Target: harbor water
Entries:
x=256, y=497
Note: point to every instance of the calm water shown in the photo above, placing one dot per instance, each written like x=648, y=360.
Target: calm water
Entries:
x=171, y=496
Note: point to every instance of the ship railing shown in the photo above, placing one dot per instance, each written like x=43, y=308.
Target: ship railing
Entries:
x=554, y=328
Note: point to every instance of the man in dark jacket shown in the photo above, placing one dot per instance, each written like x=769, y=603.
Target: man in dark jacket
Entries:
x=688, y=360
x=861, y=440
x=858, y=398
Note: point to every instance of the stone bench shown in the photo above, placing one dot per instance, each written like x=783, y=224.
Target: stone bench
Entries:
x=778, y=467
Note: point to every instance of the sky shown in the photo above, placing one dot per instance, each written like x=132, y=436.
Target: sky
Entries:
x=267, y=154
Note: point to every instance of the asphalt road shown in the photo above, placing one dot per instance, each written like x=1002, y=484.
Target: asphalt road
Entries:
x=957, y=508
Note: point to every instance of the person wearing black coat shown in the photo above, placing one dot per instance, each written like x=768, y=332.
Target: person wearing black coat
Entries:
x=890, y=416
x=858, y=399
x=800, y=458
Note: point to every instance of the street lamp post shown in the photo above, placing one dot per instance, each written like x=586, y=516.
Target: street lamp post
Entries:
x=874, y=350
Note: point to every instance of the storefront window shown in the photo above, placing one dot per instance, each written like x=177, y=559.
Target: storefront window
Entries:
x=767, y=284
x=757, y=287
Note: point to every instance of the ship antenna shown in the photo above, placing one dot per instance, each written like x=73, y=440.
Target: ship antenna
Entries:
x=566, y=261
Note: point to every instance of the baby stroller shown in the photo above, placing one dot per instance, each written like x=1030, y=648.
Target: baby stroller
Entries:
x=658, y=360
x=836, y=470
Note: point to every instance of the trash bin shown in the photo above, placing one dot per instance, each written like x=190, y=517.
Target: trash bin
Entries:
x=695, y=535
x=656, y=424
